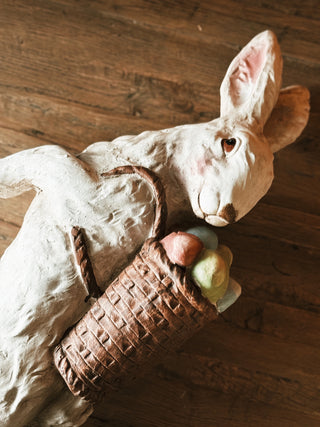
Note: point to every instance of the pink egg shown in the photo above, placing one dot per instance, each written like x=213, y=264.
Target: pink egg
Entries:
x=182, y=248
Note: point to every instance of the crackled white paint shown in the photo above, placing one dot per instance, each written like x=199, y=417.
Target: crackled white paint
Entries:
x=41, y=290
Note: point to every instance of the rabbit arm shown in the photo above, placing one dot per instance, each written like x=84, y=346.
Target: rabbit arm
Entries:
x=39, y=168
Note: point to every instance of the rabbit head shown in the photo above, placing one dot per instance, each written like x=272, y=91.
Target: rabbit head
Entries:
x=231, y=167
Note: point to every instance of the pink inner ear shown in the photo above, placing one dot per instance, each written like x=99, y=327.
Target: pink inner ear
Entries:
x=246, y=72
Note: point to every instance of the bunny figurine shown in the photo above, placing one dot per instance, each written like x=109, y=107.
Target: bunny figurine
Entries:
x=217, y=171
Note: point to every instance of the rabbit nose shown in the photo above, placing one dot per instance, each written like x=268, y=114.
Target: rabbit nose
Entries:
x=228, y=213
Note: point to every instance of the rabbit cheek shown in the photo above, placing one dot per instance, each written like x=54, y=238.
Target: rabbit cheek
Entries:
x=199, y=166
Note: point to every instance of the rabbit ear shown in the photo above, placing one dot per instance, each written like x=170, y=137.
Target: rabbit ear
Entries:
x=288, y=118
x=251, y=86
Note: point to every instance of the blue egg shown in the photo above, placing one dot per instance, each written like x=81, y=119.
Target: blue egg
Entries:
x=206, y=235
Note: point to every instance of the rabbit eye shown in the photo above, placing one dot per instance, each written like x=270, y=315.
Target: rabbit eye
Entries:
x=228, y=144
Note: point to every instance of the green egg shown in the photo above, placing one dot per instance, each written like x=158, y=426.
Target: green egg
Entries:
x=211, y=273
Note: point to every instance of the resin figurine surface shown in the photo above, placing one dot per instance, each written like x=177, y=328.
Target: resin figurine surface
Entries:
x=217, y=171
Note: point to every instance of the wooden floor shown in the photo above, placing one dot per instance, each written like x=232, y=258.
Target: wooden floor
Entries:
x=75, y=72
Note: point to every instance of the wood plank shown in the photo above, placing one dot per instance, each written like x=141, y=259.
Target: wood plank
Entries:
x=267, y=353
x=84, y=81
x=172, y=402
x=194, y=21
x=277, y=320
x=12, y=210
x=272, y=372
x=85, y=78
x=12, y=141
x=280, y=223
x=74, y=72
x=297, y=178
x=69, y=125
x=233, y=379
x=275, y=271
x=215, y=360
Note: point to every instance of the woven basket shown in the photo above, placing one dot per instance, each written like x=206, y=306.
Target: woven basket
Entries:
x=150, y=309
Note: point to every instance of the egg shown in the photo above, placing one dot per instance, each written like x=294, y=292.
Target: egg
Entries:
x=226, y=254
x=211, y=272
x=182, y=248
x=206, y=235
x=232, y=294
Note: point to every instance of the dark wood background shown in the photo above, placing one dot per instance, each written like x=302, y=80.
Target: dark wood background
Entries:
x=75, y=72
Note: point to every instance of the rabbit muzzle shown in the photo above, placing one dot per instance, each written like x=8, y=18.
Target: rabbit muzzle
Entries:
x=225, y=217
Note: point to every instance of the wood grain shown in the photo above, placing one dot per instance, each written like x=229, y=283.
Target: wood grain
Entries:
x=75, y=72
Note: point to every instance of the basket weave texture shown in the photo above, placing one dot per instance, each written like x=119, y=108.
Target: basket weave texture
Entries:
x=150, y=309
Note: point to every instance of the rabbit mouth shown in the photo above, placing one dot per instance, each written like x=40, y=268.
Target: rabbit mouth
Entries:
x=216, y=220
x=226, y=215
x=212, y=219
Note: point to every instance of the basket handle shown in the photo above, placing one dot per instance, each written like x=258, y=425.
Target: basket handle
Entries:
x=159, y=223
